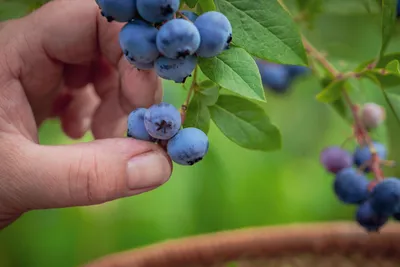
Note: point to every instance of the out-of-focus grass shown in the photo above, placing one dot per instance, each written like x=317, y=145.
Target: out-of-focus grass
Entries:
x=231, y=188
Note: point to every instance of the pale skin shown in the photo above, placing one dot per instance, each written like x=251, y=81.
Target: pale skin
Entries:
x=64, y=60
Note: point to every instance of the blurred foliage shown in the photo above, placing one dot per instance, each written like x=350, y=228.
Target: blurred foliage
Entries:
x=232, y=187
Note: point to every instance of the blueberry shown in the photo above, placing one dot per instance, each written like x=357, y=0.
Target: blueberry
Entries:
x=175, y=69
x=372, y=115
x=274, y=76
x=295, y=71
x=139, y=65
x=398, y=9
x=143, y=66
x=118, y=10
x=369, y=219
x=136, y=128
x=396, y=216
x=215, y=33
x=335, y=159
x=138, y=42
x=362, y=155
x=162, y=121
x=178, y=38
x=188, y=146
x=190, y=15
x=156, y=11
x=385, y=197
x=350, y=186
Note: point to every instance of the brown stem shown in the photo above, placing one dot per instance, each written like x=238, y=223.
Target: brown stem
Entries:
x=360, y=131
x=185, y=105
x=183, y=16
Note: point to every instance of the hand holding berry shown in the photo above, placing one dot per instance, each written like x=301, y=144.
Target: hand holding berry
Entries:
x=66, y=55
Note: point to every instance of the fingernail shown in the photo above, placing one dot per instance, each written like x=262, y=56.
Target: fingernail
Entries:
x=147, y=170
x=86, y=123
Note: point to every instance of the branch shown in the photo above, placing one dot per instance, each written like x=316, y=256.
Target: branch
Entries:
x=360, y=131
x=192, y=88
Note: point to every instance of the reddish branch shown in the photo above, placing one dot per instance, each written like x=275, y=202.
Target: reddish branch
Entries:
x=360, y=132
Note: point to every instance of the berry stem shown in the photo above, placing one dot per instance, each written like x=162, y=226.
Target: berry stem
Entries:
x=189, y=95
x=182, y=16
x=360, y=132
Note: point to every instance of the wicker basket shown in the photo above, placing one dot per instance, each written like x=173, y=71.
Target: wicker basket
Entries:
x=309, y=245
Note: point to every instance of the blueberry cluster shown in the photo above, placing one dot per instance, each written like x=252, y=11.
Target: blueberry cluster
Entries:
x=159, y=36
x=162, y=122
x=279, y=77
x=377, y=201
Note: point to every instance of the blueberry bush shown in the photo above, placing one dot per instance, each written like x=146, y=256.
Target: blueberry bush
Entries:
x=233, y=60
x=220, y=47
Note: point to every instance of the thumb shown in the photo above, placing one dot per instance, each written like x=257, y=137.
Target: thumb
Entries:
x=94, y=172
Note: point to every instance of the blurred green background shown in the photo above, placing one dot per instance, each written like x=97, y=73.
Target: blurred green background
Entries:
x=232, y=187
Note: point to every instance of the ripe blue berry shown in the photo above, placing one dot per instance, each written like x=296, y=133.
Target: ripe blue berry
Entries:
x=155, y=11
x=143, y=66
x=178, y=38
x=136, y=128
x=190, y=15
x=396, y=216
x=162, y=121
x=139, y=65
x=118, y=10
x=398, y=9
x=369, y=219
x=295, y=71
x=138, y=42
x=335, y=159
x=215, y=33
x=274, y=76
x=385, y=197
x=372, y=115
x=362, y=155
x=188, y=146
x=175, y=69
x=350, y=186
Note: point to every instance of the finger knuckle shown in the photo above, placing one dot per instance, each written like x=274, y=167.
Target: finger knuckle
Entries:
x=95, y=188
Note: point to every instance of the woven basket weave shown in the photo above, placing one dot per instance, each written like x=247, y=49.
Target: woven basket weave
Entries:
x=310, y=245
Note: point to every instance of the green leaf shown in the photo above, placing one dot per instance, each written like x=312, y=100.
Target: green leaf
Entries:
x=234, y=70
x=191, y=3
x=393, y=66
x=265, y=30
x=341, y=107
x=382, y=63
x=209, y=96
x=207, y=84
x=332, y=92
x=386, y=78
x=197, y=115
x=385, y=60
x=206, y=5
x=393, y=103
x=389, y=12
x=245, y=123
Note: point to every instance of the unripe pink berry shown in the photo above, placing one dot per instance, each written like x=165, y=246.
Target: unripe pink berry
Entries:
x=372, y=115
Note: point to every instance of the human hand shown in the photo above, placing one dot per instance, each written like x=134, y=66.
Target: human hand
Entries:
x=47, y=60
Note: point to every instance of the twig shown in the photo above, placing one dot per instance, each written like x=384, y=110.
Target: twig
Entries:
x=183, y=16
x=185, y=105
x=360, y=132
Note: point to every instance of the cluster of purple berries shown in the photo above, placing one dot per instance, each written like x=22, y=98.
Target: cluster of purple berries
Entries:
x=279, y=77
x=377, y=202
x=162, y=122
x=155, y=38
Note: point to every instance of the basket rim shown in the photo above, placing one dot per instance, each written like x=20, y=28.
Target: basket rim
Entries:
x=319, y=238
